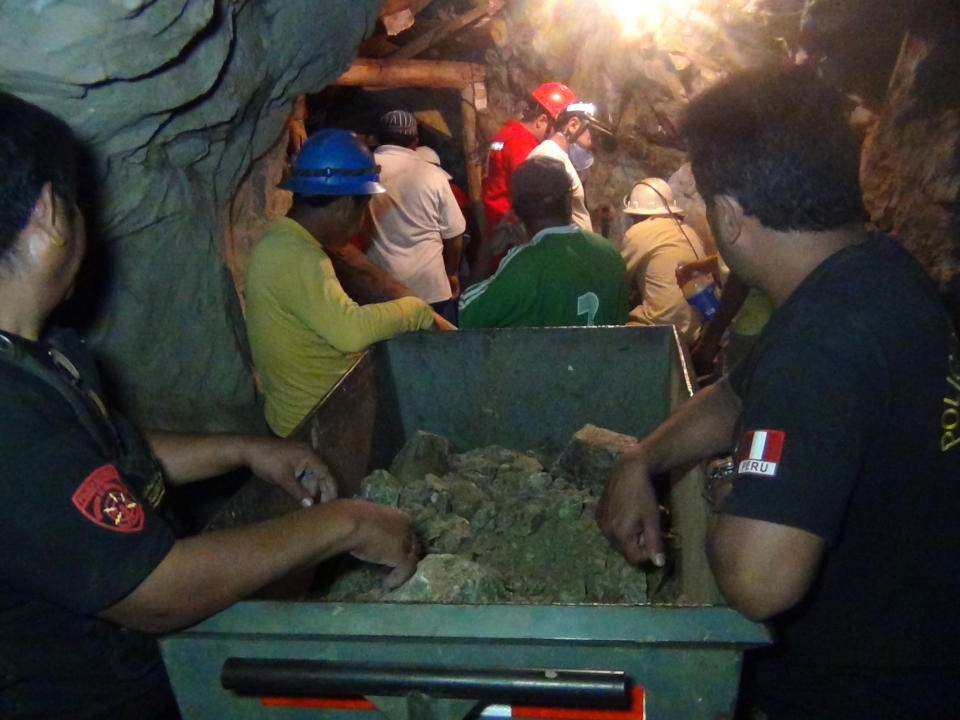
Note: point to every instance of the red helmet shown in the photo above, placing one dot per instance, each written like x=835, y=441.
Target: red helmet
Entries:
x=554, y=97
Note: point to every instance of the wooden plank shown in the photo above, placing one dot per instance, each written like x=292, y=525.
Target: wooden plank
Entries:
x=376, y=46
x=470, y=153
x=369, y=72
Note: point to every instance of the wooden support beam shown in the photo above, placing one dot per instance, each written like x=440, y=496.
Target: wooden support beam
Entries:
x=431, y=38
x=485, y=33
x=468, y=112
x=368, y=72
x=376, y=46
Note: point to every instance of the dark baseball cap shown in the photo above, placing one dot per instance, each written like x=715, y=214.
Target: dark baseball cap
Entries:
x=541, y=176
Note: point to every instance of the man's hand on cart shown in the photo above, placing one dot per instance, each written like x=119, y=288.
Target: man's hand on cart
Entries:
x=384, y=535
x=628, y=512
x=294, y=467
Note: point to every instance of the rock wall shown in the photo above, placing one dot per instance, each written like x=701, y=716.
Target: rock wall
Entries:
x=641, y=79
x=896, y=59
x=911, y=159
x=174, y=100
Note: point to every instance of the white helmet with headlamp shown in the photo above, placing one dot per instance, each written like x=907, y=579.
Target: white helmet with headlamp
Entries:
x=586, y=112
x=651, y=196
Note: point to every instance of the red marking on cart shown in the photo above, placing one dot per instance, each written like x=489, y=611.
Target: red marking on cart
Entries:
x=321, y=703
x=637, y=709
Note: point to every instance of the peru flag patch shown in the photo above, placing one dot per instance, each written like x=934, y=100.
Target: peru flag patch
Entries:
x=105, y=500
x=758, y=452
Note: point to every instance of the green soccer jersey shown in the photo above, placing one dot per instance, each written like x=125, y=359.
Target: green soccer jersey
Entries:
x=563, y=276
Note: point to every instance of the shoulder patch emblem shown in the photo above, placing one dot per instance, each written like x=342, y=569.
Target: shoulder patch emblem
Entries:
x=105, y=500
x=758, y=452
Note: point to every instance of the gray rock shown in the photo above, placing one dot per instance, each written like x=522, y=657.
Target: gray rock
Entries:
x=174, y=102
x=533, y=533
x=380, y=487
x=538, y=482
x=567, y=506
x=423, y=453
x=415, y=493
x=614, y=580
x=466, y=498
x=510, y=483
x=439, y=497
x=521, y=520
x=356, y=581
x=481, y=464
x=526, y=464
x=590, y=456
x=486, y=512
x=450, y=579
x=449, y=534
x=422, y=517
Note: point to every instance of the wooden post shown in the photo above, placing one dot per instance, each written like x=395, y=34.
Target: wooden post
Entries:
x=689, y=510
x=690, y=514
x=474, y=170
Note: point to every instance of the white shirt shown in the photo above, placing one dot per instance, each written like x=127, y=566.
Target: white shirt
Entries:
x=410, y=221
x=578, y=205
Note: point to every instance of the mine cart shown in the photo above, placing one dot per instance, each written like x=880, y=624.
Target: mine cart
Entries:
x=520, y=388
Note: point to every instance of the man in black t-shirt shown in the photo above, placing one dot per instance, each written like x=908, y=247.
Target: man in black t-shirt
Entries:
x=840, y=523
x=91, y=567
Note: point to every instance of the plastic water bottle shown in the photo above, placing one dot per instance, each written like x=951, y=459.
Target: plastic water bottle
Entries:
x=701, y=292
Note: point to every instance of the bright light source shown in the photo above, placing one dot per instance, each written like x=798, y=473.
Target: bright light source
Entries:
x=637, y=16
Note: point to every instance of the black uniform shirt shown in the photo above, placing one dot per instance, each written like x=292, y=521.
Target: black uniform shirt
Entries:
x=77, y=537
x=849, y=430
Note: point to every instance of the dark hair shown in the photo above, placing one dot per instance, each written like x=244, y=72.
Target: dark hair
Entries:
x=534, y=207
x=529, y=109
x=314, y=201
x=778, y=141
x=541, y=188
x=318, y=202
x=35, y=148
x=390, y=138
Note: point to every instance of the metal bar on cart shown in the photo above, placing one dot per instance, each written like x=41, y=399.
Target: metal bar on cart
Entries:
x=601, y=689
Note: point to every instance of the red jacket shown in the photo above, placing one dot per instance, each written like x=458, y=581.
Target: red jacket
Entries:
x=508, y=148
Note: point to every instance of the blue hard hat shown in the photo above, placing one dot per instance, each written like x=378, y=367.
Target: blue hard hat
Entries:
x=334, y=162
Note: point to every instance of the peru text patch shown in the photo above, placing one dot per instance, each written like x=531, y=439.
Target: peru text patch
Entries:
x=758, y=452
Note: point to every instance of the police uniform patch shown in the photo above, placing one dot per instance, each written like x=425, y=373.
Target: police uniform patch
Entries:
x=105, y=500
x=758, y=452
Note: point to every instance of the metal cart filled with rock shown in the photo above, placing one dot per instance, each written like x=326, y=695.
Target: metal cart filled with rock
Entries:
x=497, y=443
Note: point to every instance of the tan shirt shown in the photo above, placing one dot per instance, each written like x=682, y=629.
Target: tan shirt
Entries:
x=652, y=249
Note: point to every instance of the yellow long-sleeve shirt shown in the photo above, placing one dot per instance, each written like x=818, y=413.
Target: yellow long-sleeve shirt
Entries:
x=304, y=330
